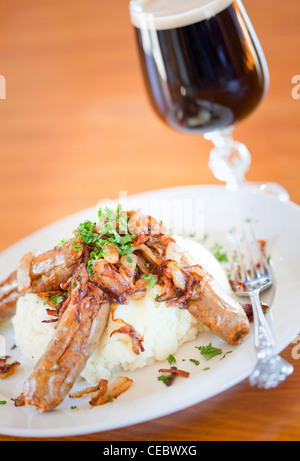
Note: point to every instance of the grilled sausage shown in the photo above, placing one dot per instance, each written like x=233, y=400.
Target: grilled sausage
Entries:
x=38, y=272
x=220, y=313
x=76, y=337
x=209, y=303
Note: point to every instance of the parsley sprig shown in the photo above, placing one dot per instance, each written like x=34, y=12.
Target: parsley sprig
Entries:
x=58, y=298
x=112, y=229
x=209, y=351
x=152, y=280
x=87, y=232
x=219, y=253
x=164, y=378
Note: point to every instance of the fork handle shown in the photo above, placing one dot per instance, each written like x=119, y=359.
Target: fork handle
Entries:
x=264, y=340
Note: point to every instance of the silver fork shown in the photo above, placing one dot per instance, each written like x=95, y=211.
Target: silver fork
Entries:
x=250, y=275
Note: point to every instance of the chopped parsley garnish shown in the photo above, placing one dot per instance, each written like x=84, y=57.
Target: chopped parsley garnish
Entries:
x=96, y=254
x=65, y=242
x=209, y=351
x=112, y=229
x=164, y=378
x=171, y=359
x=86, y=231
x=77, y=247
x=219, y=254
x=196, y=362
x=226, y=353
x=57, y=299
x=3, y=402
x=61, y=243
x=107, y=213
x=152, y=280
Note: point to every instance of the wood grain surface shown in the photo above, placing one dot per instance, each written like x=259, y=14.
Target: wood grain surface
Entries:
x=76, y=127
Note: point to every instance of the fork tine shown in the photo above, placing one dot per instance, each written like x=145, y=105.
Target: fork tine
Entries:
x=246, y=257
x=233, y=272
x=240, y=257
x=261, y=262
x=237, y=271
x=251, y=257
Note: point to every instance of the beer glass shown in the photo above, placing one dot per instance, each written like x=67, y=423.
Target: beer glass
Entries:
x=204, y=71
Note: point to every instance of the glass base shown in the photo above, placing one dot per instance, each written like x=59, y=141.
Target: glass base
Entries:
x=230, y=160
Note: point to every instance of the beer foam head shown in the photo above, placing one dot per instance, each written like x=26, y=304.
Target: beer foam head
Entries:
x=169, y=14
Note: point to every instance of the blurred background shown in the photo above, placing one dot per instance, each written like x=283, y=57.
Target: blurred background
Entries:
x=76, y=125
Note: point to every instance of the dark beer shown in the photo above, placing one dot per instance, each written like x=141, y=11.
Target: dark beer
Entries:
x=202, y=76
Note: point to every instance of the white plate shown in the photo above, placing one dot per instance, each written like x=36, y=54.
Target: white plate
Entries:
x=213, y=210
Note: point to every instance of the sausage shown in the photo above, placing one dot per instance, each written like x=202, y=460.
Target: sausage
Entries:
x=209, y=303
x=220, y=313
x=39, y=272
x=77, y=335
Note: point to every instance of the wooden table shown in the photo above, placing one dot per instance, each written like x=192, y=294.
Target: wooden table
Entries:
x=76, y=127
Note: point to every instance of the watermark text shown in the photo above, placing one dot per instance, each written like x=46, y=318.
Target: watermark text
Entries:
x=296, y=348
x=182, y=215
x=296, y=88
x=2, y=87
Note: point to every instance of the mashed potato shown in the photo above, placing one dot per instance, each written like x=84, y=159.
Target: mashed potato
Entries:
x=164, y=329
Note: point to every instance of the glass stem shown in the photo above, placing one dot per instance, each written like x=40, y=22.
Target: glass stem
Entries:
x=229, y=160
